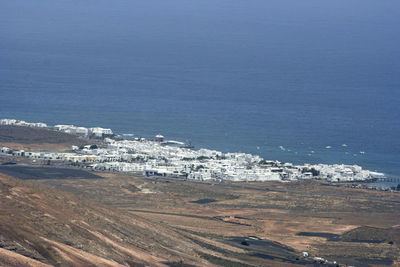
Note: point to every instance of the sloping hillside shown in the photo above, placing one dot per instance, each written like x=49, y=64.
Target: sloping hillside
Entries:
x=59, y=228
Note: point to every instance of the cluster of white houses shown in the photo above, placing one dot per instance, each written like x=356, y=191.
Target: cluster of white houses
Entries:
x=71, y=129
x=83, y=131
x=22, y=123
x=159, y=158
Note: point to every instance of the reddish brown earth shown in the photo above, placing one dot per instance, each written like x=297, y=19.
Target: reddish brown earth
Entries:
x=81, y=222
x=27, y=138
x=124, y=220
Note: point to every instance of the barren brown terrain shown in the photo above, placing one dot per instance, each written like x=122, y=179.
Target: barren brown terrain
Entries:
x=133, y=220
x=27, y=138
x=51, y=216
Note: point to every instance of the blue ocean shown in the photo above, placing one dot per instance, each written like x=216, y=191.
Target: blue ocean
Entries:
x=297, y=81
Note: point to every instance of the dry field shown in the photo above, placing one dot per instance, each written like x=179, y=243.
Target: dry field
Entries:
x=133, y=220
x=20, y=137
x=68, y=217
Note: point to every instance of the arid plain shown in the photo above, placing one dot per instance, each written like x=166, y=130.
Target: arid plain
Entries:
x=70, y=217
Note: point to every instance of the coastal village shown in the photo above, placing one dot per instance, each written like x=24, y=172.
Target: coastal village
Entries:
x=159, y=157
x=139, y=185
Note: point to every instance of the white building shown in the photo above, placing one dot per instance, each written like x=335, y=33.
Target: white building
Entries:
x=100, y=132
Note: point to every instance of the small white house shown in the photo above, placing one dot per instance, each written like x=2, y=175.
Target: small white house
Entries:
x=5, y=150
x=100, y=132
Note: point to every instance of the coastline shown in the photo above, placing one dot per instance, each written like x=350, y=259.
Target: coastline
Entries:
x=161, y=157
